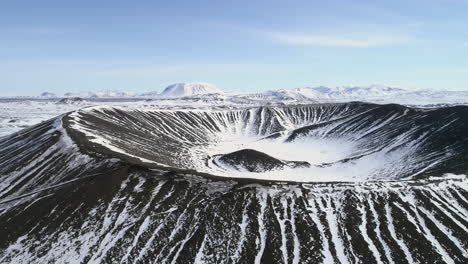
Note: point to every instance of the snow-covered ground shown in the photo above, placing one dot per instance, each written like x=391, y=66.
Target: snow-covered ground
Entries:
x=18, y=114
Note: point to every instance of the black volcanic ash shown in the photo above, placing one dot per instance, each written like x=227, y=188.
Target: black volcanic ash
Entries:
x=255, y=161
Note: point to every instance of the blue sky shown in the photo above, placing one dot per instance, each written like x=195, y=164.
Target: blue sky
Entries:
x=139, y=46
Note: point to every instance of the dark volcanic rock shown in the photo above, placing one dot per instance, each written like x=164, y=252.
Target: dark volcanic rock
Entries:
x=256, y=161
x=251, y=160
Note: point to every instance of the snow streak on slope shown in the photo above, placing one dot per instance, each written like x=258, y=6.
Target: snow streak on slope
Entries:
x=144, y=217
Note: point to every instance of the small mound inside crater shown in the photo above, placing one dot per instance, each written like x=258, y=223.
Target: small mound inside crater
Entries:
x=255, y=161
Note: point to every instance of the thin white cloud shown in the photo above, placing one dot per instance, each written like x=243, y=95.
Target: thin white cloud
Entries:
x=360, y=41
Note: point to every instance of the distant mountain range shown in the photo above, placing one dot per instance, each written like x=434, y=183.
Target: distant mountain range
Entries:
x=373, y=93
x=172, y=91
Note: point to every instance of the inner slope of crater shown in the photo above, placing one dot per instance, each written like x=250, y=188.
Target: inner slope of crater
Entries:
x=341, y=142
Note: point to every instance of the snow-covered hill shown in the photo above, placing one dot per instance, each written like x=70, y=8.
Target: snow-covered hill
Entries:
x=72, y=101
x=340, y=93
x=152, y=94
x=374, y=93
x=101, y=94
x=190, y=89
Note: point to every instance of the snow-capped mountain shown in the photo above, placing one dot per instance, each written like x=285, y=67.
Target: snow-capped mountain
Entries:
x=190, y=89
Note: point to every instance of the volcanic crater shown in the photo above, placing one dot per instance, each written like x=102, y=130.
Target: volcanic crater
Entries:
x=320, y=183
